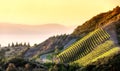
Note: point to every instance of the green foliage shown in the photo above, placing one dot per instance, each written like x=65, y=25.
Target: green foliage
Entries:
x=112, y=64
x=63, y=67
x=49, y=65
x=106, y=49
x=12, y=45
x=109, y=53
x=83, y=46
x=50, y=56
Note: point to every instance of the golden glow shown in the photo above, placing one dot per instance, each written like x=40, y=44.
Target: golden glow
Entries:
x=66, y=12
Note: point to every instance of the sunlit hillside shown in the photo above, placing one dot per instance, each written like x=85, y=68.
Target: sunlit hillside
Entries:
x=92, y=46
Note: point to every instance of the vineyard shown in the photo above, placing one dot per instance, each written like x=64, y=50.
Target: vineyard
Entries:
x=86, y=45
x=103, y=50
x=109, y=53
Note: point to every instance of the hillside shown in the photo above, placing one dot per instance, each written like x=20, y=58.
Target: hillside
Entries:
x=48, y=45
x=13, y=50
x=99, y=42
x=110, y=17
x=93, y=46
x=83, y=46
x=110, y=21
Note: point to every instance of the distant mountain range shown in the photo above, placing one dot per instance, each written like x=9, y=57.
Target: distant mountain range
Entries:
x=45, y=29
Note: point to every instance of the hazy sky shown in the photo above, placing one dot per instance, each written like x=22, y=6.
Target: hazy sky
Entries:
x=37, y=12
x=66, y=12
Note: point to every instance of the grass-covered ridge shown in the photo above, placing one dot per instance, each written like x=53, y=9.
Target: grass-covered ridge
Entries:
x=83, y=46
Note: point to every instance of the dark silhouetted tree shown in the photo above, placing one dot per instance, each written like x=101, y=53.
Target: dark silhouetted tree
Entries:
x=20, y=44
x=35, y=45
x=16, y=44
x=28, y=44
x=25, y=44
x=13, y=45
x=9, y=45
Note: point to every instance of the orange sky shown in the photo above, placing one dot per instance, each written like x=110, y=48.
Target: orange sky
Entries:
x=65, y=12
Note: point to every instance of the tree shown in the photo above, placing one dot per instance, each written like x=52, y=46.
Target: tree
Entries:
x=11, y=67
x=28, y=44
x=25, y=44
x=56, y=50
x=20, y=44
x=16, y=44
x=55, y=54
x=28, y=67
x=9, y=45
x=35, y=45
x=13, y=45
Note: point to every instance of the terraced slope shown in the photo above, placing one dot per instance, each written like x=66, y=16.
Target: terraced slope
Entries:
x=109, y=53
x=84, y=46
x=103, y=50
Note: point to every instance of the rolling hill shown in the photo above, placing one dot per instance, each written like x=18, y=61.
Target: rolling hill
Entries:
x=93, y=46
x=100, y=41
x=109, y=21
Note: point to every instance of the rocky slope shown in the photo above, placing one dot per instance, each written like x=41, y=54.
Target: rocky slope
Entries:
x=110, y=17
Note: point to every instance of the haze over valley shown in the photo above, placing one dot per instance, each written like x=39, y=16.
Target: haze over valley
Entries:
x=30, y=33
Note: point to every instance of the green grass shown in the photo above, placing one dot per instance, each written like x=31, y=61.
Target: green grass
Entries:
x=83, y=46
x=109, y=53
x=98, y=51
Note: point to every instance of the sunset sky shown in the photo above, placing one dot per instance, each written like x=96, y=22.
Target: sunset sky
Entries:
x=65, y=12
